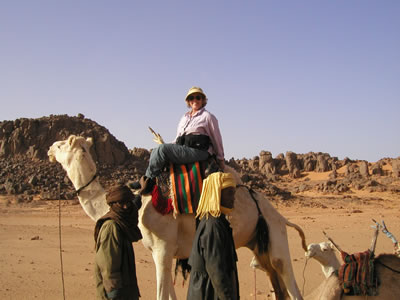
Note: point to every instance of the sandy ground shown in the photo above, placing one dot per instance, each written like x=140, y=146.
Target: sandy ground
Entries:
x=31, y=262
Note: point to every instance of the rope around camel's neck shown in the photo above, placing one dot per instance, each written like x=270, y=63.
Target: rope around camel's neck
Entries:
x=81, y=174
x=92, y=197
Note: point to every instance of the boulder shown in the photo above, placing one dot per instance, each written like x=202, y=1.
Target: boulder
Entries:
x=396, y=168
x=322, y=164
x=267, y=163
x=292, y=164
x=364, y=171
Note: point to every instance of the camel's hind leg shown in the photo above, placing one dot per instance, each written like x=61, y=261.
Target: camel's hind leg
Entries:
x=281, y=263
x=165, y=287
x=281, y=277
x=278, y=287
x=287, y=281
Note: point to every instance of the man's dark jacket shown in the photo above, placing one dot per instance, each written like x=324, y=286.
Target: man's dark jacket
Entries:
x=213, y=261
x=115, y=268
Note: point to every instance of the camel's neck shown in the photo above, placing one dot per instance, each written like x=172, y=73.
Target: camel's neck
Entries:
x=92, y=197
x=328, y=270
x=80, y=175
x=330, y=266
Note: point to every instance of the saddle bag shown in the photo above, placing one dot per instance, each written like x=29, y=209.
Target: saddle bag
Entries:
x=197, y=141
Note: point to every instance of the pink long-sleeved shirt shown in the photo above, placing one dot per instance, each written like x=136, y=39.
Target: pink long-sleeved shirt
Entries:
x=203, y=122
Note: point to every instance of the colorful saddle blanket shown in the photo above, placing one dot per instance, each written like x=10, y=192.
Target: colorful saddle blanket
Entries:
x=356, y=275
x=186, y=184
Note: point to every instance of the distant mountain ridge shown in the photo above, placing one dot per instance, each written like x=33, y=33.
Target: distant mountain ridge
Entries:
x=26, y=171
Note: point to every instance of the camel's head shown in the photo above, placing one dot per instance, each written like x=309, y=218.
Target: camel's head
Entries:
x=324, y=254
x=319, y=250
x=65, y=151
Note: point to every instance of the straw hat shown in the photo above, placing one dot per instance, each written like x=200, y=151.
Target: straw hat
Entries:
x=195, y=89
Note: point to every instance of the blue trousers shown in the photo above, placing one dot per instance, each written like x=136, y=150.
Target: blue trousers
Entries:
x=164, y=154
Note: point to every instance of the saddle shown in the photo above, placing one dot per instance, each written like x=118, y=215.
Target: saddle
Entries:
x=178, y=189
x=357, y=275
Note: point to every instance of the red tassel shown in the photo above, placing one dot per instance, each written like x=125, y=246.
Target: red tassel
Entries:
x=162, y=205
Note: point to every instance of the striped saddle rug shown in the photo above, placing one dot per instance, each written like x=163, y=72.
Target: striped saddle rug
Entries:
x=356, y=275
x=186, y=182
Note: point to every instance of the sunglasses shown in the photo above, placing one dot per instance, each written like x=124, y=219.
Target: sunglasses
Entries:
x=191, y=97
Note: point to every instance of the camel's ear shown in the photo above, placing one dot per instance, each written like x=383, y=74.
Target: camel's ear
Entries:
x=325, y=246
x=331, y=245
x=89, y=141
x=71, y=140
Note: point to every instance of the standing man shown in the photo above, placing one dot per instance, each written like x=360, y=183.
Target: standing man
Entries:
x=115, y=269
x=213, y=258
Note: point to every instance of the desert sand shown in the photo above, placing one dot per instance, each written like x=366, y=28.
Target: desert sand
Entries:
x=31, y=239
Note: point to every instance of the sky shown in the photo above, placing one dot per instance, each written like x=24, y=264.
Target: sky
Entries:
x=301, y=76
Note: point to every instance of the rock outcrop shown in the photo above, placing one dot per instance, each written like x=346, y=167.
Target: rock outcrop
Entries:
x=357, y=175
x=25, y=169
x=31, y=138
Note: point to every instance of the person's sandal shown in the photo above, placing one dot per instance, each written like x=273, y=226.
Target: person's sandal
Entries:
x=135, y=185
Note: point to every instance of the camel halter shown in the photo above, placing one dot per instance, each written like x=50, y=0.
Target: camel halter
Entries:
x=83, y=187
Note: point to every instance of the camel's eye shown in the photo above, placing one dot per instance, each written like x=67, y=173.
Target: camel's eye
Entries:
x=83, y=149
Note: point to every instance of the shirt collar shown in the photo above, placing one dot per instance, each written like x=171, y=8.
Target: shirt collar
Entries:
x=199, y=112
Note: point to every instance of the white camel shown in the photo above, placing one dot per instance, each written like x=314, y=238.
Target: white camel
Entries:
x=330, y=288
x=169, y=237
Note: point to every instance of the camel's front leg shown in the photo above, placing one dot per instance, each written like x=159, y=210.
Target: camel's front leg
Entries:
x=163, y=260
x=160, y=235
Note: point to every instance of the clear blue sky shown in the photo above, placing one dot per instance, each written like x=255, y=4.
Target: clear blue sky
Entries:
x=280, y=75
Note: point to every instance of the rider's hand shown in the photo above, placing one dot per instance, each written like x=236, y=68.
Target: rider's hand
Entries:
x=221, y=164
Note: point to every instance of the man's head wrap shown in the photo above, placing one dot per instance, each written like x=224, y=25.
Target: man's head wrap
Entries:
x=210, y=199
x=126, y=218
x=119, y=193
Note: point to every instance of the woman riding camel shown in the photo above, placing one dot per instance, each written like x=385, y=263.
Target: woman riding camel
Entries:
x=198, y=137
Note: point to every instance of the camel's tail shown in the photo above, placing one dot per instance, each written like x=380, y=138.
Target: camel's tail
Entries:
x=301, y=233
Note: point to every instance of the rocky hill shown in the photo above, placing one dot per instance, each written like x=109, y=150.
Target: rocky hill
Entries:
x=25, y=170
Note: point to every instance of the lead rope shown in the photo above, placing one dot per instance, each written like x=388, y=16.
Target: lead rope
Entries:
x=255, y=284
x=304, y=277
x=61, y=258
